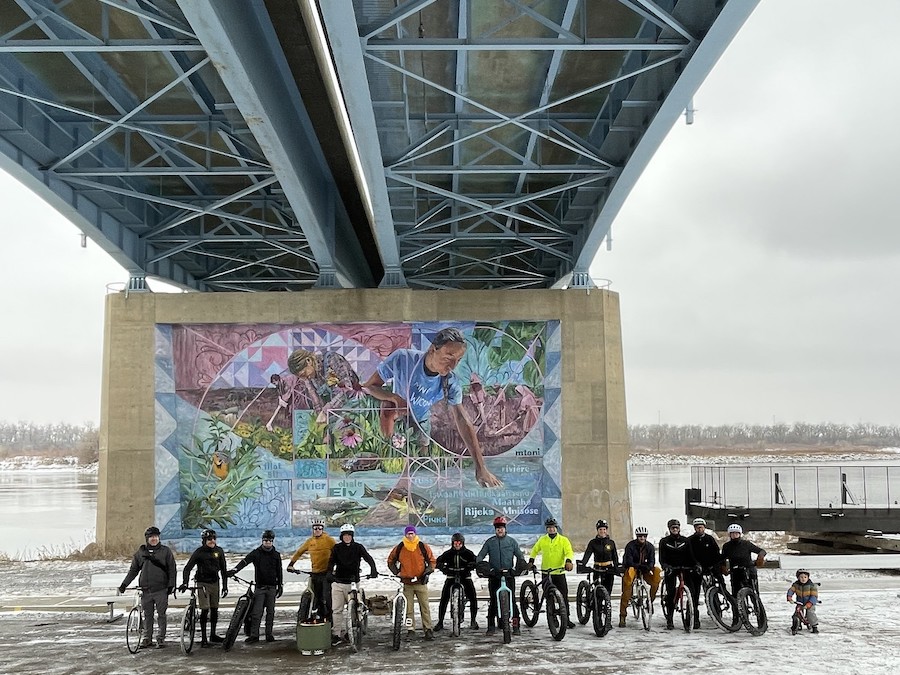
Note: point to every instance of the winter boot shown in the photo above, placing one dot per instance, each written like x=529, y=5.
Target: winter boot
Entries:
x=515, y=626
x=622, y=621
x=795, y=625
x=815, y=629
x=203, y=642
x=491, y=629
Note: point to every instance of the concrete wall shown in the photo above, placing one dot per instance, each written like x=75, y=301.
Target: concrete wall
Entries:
x=594, y=440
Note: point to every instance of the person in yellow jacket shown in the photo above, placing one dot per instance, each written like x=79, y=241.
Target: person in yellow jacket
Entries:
x=413, y=561
x=319, y=547
x=556, y=554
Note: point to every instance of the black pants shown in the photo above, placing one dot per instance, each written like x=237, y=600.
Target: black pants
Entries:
x=559, y=580
x=493, y=610
x=606, y=578
x=322, y=590
x=264, y=599
x=740, y=577
x=469, y=586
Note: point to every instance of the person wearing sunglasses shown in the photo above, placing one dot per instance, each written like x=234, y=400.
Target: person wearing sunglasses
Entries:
x=639, y=558
x=319, y=547
x=418, y=381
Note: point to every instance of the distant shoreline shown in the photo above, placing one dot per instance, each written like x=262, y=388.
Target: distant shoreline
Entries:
x=37, y=463
x=777, y=455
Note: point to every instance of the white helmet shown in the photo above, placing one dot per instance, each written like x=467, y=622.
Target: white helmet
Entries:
x=317, y=520
x=698, y=521
x=734, y=527
x=641, y=530
x=347, y=527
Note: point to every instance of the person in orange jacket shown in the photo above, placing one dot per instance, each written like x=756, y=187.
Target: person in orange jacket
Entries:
x=413, y=561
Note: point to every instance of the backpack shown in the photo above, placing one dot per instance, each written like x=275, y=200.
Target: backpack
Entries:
x=428, y=568
x=378, y=605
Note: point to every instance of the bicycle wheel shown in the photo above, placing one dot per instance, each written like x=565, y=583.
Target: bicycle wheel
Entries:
x=456, y=610
x=304, y=612
x=505, y=607
x=646, y=611
x=583, y=602
x=602, y=611
x=557, y=616
x=134, y=626
x=237, y=620
x=752, y=612
x=722, y=609
x=528, y=603
x=355, y=625
x=397, y=623
x=686, y=609
x=188, y=627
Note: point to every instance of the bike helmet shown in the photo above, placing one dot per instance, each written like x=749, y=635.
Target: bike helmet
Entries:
x=151, y=531
x=640, y=530
x=318, y=520
x=673, y=523
x=602, y=523
x=734, y=527
x=802, y=571
x=206, y=535
x=698, y=521
x=269, y=534
x=347, y=528
x=551, y=522
x=500, y=521
x=458, y=536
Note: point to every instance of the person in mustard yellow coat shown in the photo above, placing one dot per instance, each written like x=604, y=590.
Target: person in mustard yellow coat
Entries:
x=319, y=547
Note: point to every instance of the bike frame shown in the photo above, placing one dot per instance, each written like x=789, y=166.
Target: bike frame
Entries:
x=189, y=620
x=398, y=615
x=357, y=615
x=640, y=600
x=682, y=602
x=239, y=617
x=504, y=621
x=457, y=606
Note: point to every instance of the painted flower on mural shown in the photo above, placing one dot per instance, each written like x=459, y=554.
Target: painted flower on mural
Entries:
x=398, y=441
x=350, y=438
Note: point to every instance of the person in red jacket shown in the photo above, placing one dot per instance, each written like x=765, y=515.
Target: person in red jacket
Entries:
x=413, y=561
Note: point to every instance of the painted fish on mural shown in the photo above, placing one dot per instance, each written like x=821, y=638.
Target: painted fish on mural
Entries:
x=332, y=506
x=400, y=498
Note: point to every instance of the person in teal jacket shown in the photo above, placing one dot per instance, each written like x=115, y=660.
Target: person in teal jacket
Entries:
x=504, y=558
x=556, y=555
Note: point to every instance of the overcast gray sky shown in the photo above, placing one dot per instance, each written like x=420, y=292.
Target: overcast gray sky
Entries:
x=756, y=259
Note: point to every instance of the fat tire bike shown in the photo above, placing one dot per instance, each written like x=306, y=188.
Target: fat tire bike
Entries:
x=640, y=600
x=189, y=620
x=357, y=616
x=720, y=604
x=592, y=600
x=750, y=606
x=398, y=616
x=241, y=615
x=134, y=624
x=504, y=607
x=682, y=602
x=532, y=596
x=457, y=600
x=310, y=608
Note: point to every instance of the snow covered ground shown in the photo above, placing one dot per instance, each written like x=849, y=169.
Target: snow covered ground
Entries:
x=860, y=628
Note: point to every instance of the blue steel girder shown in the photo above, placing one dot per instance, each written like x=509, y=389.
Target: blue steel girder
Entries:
x=464, y=143
x=112, y=112
x=507, y=128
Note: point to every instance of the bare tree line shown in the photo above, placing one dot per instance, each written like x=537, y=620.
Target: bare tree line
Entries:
x=49, y=440
x=756, y=435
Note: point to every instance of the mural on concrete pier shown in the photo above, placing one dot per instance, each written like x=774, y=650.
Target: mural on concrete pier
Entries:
x=378, y=424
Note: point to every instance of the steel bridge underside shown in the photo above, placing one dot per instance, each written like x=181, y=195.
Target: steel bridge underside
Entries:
x=277, y=145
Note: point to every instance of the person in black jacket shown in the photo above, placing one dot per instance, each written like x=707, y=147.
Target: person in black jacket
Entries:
x=343, y=569
x=457, y=560
x=737, y=552
x=605, y=554
x=674, y=554
x=706, y=553
x=156, y=565
x=209, y=560
x=269, y=585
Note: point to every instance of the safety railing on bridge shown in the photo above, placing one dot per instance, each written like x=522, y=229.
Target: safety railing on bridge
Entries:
x=797, y=487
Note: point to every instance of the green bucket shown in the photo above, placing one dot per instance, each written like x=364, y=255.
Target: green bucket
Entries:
x=313, y=638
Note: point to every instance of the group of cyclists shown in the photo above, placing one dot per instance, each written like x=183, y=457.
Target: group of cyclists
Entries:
x=335, y=565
